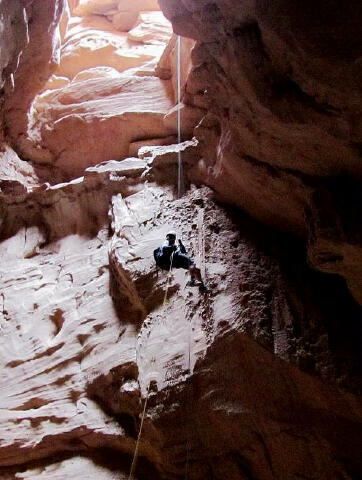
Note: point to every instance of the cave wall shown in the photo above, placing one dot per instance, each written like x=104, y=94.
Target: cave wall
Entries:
x=115, y=52
x=260, y=378
x=281, y=82
x=30, y=53
x=39, y=57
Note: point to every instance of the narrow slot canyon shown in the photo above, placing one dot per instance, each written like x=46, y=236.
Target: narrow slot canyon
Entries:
x=237, y=125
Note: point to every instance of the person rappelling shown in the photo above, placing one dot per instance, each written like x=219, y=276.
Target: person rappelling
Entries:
x=169, y=256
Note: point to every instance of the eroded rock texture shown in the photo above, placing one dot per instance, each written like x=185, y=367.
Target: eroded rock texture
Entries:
x=259, y=378
x=91, y=332
x=281, y=81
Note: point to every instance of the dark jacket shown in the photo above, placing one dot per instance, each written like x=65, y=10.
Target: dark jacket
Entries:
x=162, y=255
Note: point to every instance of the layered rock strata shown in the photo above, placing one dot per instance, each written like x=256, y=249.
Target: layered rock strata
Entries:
x=111, y=86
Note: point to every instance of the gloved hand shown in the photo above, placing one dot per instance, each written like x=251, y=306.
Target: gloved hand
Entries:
x=181, y=246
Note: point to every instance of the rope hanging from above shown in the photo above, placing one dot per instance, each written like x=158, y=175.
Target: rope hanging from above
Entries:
x=135, y=455
x=180, y=191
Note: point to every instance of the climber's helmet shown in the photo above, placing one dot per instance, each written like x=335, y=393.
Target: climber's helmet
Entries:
x=171, y=237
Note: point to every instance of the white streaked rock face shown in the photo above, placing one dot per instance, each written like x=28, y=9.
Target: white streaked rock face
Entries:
x=78, y=467
x=14, y=171
x=86, y=330
x=56, y=318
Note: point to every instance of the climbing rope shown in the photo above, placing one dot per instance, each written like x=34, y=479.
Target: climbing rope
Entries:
x=179, y=177
x=188, y=405
x=168, y=282
x=135, y=456
x=201, y=255
x=201, y=246
x=180, y=194
x=201, y=238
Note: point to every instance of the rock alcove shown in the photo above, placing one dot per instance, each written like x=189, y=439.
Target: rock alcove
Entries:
x=260, y=378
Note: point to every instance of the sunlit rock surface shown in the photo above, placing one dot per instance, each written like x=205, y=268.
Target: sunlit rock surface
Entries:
x=101, y=112
x=122, y=13
x=82, y=468
x=102, y=96
x=109, y=88
x=93, y=41
x=106, y=105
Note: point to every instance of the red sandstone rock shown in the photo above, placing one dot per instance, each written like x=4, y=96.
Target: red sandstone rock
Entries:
x=72, y=353
x=101, y=116
x=259, y=378
x=38, y=60
x=283, y=85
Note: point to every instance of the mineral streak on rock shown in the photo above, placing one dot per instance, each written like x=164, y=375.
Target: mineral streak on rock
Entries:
x=259, y=377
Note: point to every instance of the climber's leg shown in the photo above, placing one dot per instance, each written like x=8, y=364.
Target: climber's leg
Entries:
x=181, y=260
x=195, y=273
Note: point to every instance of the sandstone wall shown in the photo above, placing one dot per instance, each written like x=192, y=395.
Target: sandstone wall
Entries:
x=259, y=378
x=39, y=57
x=116, y=53
x=281, y=82
x=253, y=380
